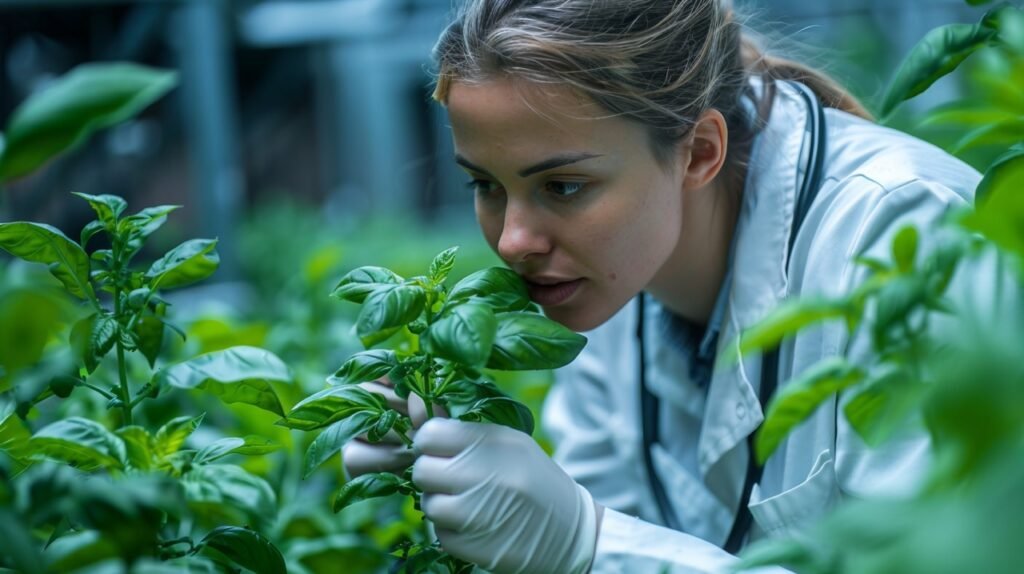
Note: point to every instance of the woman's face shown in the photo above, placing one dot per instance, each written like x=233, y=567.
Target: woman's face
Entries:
x=572, y=201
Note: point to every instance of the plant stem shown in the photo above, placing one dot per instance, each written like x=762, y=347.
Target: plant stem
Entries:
x=122, y=372
x=98, y=390
x=405, y=439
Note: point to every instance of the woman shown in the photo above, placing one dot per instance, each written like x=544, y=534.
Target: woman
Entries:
x=662, y=185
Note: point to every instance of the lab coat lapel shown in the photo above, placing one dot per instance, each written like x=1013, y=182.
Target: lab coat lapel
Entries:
x=759, y=285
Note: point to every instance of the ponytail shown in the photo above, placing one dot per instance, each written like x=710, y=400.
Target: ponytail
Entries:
x=772, y=68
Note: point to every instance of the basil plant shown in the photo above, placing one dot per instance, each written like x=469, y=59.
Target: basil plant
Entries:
x=448, y=339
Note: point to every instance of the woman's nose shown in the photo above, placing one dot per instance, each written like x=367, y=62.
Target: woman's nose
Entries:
x=523, y=234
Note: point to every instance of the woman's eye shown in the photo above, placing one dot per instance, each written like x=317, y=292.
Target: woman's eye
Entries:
x=565, y=189
x=481, y=186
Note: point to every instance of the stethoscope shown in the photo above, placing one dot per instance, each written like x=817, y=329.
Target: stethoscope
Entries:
x=650, y=407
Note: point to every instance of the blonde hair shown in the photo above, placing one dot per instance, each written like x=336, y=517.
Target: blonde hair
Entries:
x=662, y=63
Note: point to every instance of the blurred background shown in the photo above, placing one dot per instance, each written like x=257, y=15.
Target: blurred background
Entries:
x=301, y=120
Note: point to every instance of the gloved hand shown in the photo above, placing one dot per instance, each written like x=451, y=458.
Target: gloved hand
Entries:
x=360, y=456
x=496, y=499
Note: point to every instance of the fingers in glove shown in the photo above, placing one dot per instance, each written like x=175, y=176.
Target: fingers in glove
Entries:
x=438, y=475
x=418, y=411
x=361, y=458
x=449, y=437
x=446, y=511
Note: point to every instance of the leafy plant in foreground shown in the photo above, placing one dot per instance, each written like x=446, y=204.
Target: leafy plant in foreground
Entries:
x=446, y=340
x=963, y=380
x=132, y=493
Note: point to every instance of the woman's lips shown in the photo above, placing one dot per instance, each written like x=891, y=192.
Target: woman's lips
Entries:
x=553, y=294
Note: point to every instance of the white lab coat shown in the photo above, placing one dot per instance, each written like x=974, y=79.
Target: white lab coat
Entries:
x=876, y=181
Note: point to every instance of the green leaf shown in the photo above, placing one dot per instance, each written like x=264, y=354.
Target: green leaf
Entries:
x=235, y=375
x=1002, y=133
x=904, y=248
x=172, y=435
x=86, y=99
x=92, y=338
x=390, y=306
x=465, y=334
x=966, y=114
x=883, y=405
x=796, y=401
x=527, y=341
x=90, y=229
x=384, y=424
x=503, y=411
x=148, y=335
x=250, y=445
x=80, y=442
x=793, y=554
x=937, y=54
x=14, y=437
x=216, y=485
x=246, y=548
x=364, y=366
x=786, y=320
x=193, y=260
x=499, y=287
x=1000, y=202
x=895, y=301
x=333, y=404
x=334, y=437
x=42, y=243
x=139, y=446
x=358, y=283
x=107, y=207
x=140, y=226
x=372, y=485
x=442, y=265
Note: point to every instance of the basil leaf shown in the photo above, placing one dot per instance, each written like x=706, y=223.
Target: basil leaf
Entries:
x=503, y=411
x=41, y=243
x=938, y=53
x=390, y=306
x=193, y=260
x=904, y=248
x=172, y=435
x=372, y=485
x=211, y=487
x=250, y=445
x=334, y=437
x=499, y=287
x=359, y=283
x=526, y=341
x=330, y=405
x=86, y=99
x=235, y=375
x=246, y=548
x=794, y=402
x=107, y=207
x=385, y=423
x=148, y=335
x=442, y=265
x=139, y=445
x=364, y=366
x=465, y=334
x=92, y=338
x=783, y=321
x=80, y=442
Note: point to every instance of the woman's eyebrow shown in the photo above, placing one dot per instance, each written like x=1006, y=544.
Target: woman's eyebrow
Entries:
x=550, y=163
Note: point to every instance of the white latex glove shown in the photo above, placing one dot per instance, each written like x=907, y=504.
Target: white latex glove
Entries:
x=496, y=499
x=360, y=456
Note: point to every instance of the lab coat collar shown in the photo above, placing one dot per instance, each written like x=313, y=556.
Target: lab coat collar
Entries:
x=759, y=280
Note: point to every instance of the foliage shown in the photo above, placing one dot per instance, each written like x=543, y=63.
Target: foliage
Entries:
x=945, y=365
x=442, y=342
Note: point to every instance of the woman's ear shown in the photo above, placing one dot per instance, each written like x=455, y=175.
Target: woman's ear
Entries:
x=705, y=150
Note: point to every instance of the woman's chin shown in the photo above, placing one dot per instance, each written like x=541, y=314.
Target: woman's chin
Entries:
x=576, y=318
